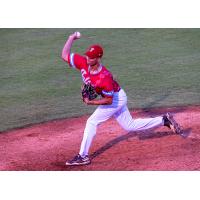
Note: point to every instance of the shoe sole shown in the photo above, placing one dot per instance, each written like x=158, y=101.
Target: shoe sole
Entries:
x=174, y=125
x=77, y=164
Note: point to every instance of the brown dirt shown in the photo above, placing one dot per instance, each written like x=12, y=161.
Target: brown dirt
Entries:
x=47, y=146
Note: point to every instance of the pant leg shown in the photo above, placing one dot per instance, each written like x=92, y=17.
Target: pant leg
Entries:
x=101, y=114
x=126, y=121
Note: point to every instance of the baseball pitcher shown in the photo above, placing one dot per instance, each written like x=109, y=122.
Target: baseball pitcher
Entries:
x=98, y=81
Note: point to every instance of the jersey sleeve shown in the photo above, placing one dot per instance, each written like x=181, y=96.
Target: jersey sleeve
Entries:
x=108, y=89
x=76, y=61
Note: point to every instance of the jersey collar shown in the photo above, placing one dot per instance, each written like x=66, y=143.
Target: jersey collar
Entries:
x=95, y=72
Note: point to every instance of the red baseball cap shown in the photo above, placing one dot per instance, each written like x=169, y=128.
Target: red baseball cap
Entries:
x=94, y=51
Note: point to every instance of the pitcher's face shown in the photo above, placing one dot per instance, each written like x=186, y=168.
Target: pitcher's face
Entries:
x=92, y=61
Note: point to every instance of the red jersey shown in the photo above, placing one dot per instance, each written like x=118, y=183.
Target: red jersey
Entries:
x=102, y=81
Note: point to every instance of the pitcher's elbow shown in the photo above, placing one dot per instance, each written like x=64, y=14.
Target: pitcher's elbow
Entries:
x=64, y=57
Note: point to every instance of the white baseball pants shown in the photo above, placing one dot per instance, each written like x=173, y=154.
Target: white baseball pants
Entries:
x=119, y=110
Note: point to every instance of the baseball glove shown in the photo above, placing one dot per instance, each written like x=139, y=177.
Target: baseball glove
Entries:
x=88, y=92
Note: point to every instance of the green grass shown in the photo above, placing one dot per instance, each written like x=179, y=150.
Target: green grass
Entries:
x=156, y=67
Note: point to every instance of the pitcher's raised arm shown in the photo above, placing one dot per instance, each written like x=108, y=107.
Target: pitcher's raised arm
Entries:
x=68, y=45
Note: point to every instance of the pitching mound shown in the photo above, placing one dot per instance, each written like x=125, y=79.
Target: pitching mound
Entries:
x=47, y=146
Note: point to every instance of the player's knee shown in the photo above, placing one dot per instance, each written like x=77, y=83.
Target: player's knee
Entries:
x=128, y=127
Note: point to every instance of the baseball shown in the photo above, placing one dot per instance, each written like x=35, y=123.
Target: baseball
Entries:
x=78, y=34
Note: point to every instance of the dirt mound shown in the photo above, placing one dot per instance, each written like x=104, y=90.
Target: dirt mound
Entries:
x=47, y=146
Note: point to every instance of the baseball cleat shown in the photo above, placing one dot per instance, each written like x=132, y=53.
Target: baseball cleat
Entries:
x=170, y=122
x=78, y=160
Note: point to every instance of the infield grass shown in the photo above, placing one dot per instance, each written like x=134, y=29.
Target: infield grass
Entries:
x=156, y=67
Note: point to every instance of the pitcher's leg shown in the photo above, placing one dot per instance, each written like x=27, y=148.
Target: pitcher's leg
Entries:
x=101, y=114
x=125, y=119
x=89, y=133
